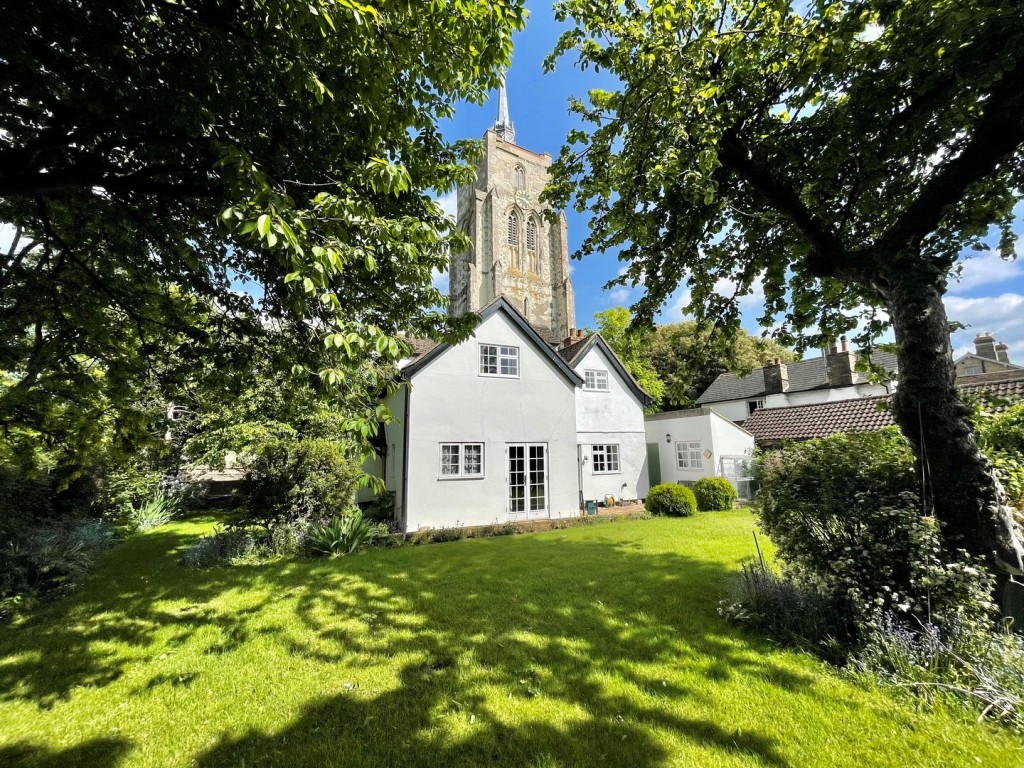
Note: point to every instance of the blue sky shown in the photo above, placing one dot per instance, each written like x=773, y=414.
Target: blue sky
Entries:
x=989, y=297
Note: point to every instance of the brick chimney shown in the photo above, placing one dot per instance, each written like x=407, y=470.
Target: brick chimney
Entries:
x=985, y=346
x=776, y=378
x=1002, y=353
x=840, y=365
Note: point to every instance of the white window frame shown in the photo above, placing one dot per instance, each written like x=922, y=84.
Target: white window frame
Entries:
x=973, y=370
x=596, y=375
x=607, y=456
x=692, y=456
x=757, y=405
x=503, y=353
x=462, y=473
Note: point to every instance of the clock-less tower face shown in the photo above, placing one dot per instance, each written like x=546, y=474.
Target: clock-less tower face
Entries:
x=517, y=252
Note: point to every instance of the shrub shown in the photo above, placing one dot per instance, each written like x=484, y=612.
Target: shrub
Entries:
x=291, y=480
x=155, y=511
x=343, y=534
x=126, y=488
x=714, y=493
x=847, y=523
x=672, y=500
x=221, y=548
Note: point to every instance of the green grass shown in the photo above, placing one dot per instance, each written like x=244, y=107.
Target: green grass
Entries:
x=597, y=645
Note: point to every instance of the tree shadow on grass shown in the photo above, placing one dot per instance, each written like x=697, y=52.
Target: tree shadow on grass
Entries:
x=97, y=753
x=577, y=626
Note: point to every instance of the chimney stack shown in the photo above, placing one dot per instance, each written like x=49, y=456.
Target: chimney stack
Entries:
x=840, y=365
x=846, y=344
x=776, y=378
x=985, y=346
x=1003, y=353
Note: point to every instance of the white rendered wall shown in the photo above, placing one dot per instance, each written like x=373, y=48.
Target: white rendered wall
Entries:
x=451, y=402
x=612, y=417
x=736, y=410
x=715, y=433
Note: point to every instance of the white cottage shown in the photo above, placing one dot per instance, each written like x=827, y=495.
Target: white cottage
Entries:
x=690, y=444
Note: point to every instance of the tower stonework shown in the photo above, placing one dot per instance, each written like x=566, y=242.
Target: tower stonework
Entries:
x=517, y=252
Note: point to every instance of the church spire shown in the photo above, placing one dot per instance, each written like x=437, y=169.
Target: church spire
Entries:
x=503, y=126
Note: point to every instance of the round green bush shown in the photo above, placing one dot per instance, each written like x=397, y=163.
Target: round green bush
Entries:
x=671, y=500
x=714, y=493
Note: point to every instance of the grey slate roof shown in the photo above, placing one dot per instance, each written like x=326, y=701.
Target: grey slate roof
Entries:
x=804, y=375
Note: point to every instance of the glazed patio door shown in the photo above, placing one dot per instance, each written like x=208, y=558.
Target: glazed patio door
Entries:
x=527, y=481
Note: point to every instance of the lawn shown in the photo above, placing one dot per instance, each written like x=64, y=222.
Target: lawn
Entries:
x=597, y=645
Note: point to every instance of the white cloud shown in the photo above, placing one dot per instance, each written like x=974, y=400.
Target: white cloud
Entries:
x=619, y=295
x=1002, y=316
x=449, y=204
x=985, y=269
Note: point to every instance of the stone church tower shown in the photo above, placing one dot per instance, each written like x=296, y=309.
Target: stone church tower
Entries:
x=516, y=253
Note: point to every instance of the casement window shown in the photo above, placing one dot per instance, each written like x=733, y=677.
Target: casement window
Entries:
x=462, y=460
x=595, y=380
x=604, y=459
x=688, y=455
x=972, y=370
x=753, y=405
x=498, y=360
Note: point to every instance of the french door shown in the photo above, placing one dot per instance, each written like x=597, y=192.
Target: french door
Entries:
x=527, y=480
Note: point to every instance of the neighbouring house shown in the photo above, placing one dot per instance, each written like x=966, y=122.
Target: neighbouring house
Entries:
x=772, y=426
x=989, y=356
x=684, y=446
x=527, y=419
x=829, y=378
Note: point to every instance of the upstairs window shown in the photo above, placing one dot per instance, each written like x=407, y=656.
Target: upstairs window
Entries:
x=462, y=460
x=604, y=459
x=595, y=380
x=753, y=405
x=498, y=360
x=688, y=455
x=513, y=229
x=972, y=370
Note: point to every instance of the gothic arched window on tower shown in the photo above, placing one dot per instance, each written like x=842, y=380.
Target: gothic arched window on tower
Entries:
x=520, y=177
x=513, y=229
x=531, y=246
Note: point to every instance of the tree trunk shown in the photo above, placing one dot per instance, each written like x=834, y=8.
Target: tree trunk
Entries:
x=968, y=499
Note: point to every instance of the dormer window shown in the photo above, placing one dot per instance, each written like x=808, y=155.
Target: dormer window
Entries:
x=596, y=381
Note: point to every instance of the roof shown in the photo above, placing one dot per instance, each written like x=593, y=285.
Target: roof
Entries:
x=1008, y=385
x=686, y=413
x=803, y=422
x=803, y=375
x=431, y=353
x=575, y=352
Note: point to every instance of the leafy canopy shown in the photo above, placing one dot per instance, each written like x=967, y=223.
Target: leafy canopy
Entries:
x=801, y=145
x=197, y=185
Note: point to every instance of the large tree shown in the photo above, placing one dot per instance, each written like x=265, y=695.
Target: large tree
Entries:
x=844, y=153
x=208, y=182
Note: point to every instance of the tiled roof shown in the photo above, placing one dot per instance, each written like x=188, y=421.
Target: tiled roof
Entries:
x=420, y=346
x=572, y=352
x=804, y=375
x=998, y=390
x=803, y=422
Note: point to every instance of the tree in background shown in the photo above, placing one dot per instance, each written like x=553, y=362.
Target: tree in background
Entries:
x=675, y=362
x=688, y=358
x=197, y=184
x=632, y=346
x=843, y=153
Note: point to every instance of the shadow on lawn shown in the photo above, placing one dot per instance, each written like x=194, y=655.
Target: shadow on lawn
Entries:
x=539, y=617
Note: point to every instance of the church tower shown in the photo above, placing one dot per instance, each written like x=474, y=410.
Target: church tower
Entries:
x=517, y=252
